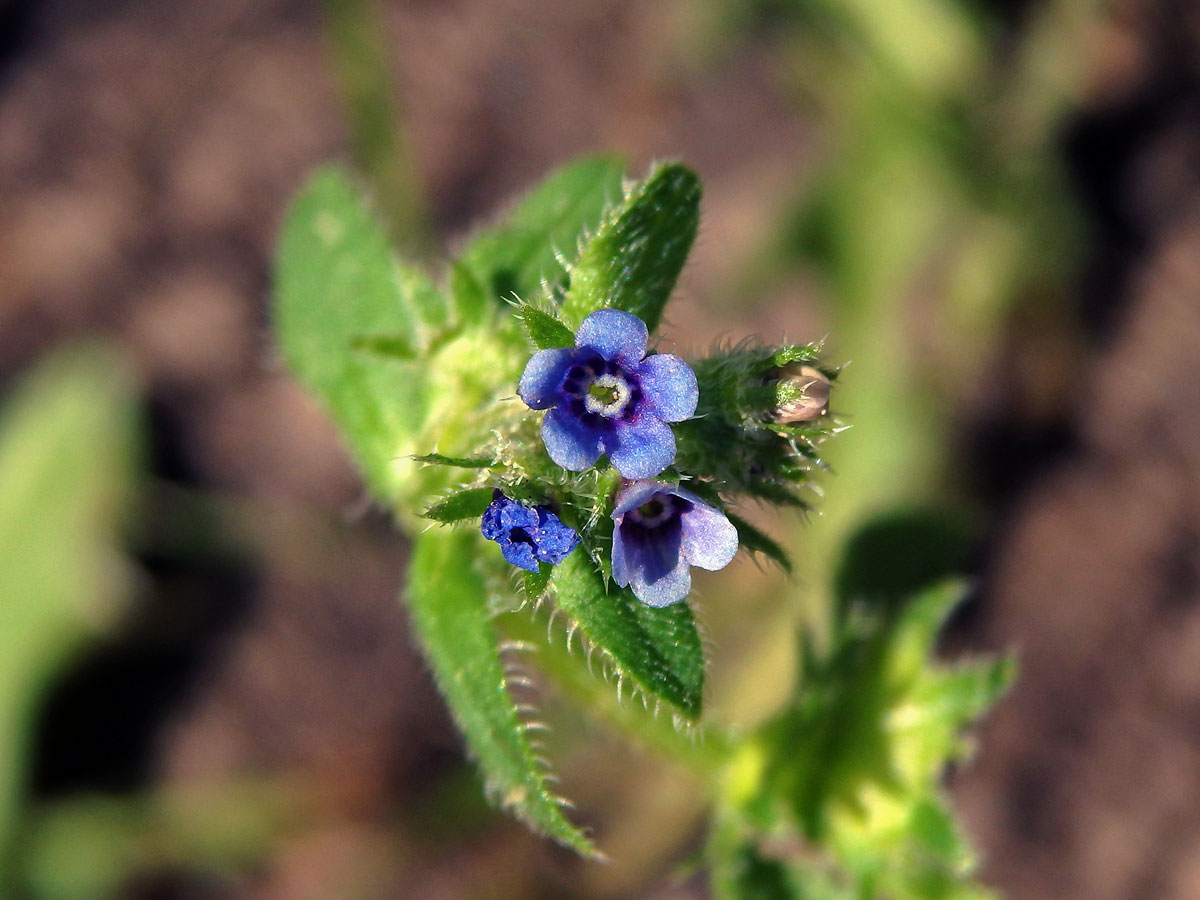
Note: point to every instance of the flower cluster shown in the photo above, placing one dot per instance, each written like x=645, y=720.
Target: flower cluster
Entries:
x=606, y=396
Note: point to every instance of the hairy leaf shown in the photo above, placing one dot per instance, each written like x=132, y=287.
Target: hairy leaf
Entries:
x=659, y=650
x=545, y=330
x=342, y=302
x=517, y=256
x=468, y=504
x=633, y=261
x=453, y=623
x=460, y=462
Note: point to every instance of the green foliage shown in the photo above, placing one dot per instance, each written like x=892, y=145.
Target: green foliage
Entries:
x=405, y=367
x=658, y=650
x=449, y=602
x=841, y=793
x=460, y=462
x=339, y=288
x=634, y=259
x=468, y=504
x=520, y=254
x=66, y=469
x=545, y=330
x=838, y=795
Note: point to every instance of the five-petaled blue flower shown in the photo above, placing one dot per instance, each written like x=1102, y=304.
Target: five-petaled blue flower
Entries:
x=604, y=395
x=661, y=530
x=527, y=535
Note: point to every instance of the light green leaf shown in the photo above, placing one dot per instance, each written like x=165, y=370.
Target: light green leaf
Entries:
x=66, y=469
x=348, y=316
x=449, y=605
x=659, y=650
x=517, y=256
x=468, y=504
x=545, y=330
x=633, y=261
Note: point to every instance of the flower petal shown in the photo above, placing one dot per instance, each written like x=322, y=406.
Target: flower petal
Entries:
x=520, y=554
x=671, y=587
x=614, y=334
x=543, y=376
x=709, y=539
x=490, y=526
x=670, y=386
x=635, y=493
x=650, y=562
x=641, y=449
x=620, y=558
x=570, y=443
x=516, y=515
x=555, y=541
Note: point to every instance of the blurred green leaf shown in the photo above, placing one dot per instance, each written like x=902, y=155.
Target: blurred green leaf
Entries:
x=659, y=650
x=517, y=256
x=339, y=290
x=450, y=611
x=67, y=458
x=468, y=504
x=633, y=261
x=860, y=756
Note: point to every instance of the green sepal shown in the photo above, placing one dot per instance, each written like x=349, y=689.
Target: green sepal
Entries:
x=452, y=620
x=461, y=462
x=468, y=504
x=634, y=260
x=659, y=650
x=546, y=331
x=536, y=582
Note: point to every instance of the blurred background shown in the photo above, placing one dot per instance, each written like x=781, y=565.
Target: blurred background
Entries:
x=992, y=210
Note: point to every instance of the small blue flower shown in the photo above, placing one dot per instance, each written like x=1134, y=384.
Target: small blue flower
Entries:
x=604, y=395
x=527, y=535
x=661, y=530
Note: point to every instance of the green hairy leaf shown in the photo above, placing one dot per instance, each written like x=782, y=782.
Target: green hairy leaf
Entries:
x=348, y=316
x=468, y=504
x=545, y=330
x=633, y=261
x=459, y=462
x=450, y=613
x=659, y=650
x=516, y=257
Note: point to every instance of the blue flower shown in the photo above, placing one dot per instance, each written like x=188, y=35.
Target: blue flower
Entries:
x=604, y=395
x=527, y=535
x=661, y=530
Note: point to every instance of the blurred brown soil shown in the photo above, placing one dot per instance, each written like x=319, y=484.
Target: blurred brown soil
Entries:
x=147, y=154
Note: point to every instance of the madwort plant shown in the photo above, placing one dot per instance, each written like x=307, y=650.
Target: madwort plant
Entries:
x=515, y=415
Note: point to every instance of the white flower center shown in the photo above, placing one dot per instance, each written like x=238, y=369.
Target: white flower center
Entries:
x=607, y=396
